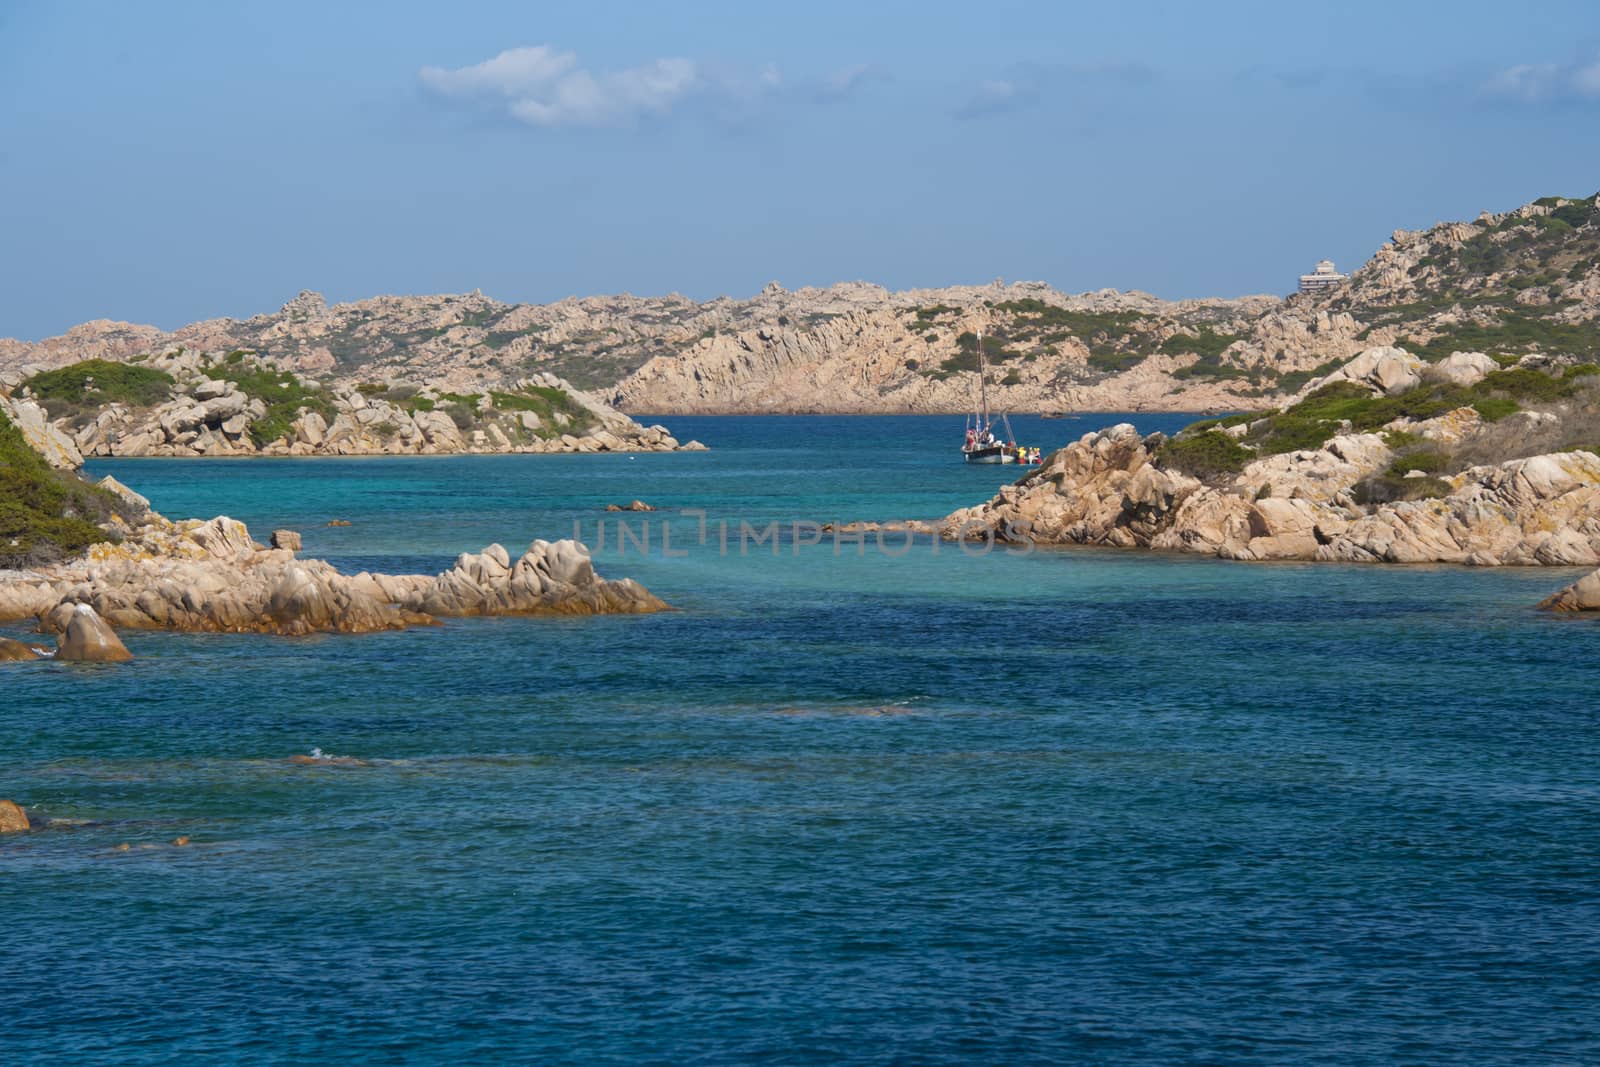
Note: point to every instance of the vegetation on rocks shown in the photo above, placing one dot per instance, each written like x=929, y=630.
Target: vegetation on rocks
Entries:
x=1560, y=412
x=1507, y=284
x=45, y=514
x=85, y=387
x=1349, y=407
x=1208, y=455
x=545, y=402
x=284, y=395
x=1516, y=330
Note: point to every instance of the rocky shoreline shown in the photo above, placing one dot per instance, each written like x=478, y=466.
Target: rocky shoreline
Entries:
x=1105, y=489
x=218, y=405
x=211, y=577
x=1116, y=487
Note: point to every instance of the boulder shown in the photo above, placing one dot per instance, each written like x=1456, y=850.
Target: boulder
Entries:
x=88, y=639
x=224, y=407
x=288, y=540
x=1387, y=370
x=13, y=819
x=1461, y=368
x=1582, y=595
x=310, y=428
x=223, y=538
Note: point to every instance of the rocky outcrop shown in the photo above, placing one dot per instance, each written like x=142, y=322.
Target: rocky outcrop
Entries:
x=1582, y=595
x=1352, y=498
x=1106, y=489
x=210, y=414
x=44, y=437
x=211, y=577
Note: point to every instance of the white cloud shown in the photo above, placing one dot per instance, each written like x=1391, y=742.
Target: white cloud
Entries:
x=993, y=97
x=1535, y=83
x=543, y=87
x=512, y=73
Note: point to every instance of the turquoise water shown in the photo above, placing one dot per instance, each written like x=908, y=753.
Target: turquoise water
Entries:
x=933, y=807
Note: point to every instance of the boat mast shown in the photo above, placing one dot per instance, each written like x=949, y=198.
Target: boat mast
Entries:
x=983, y=384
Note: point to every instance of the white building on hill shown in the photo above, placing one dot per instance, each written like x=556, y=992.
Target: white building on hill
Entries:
x=1324, y=277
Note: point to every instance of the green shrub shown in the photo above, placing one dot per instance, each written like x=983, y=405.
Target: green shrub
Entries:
x=1294, y=381
x=1205, y=343
x=1115, y=362
x=1208, y=455
x=46, y=514
x=1495, y=408
x=545, y=402
x=1400, y=440
x=1425, y=460
x=94, y=383
x=1387, y=489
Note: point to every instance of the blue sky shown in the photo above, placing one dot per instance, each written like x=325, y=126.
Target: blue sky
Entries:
x=168, y=162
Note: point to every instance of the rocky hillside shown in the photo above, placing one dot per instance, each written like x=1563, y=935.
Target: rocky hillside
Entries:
x=1525, y=281
x=189, y=403
x=1386, y=459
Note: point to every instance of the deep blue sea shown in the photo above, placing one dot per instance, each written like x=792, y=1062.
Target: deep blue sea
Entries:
x=848, y=804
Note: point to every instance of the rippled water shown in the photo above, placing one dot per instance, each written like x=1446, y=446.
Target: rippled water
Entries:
x=930, y=807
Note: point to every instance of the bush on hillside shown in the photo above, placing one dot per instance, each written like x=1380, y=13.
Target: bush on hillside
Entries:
x=84, y=388
x=1209, y=455
x=45, y=514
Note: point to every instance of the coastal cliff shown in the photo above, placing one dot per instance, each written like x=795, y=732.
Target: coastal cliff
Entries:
x=1519, y=282
x=1386, y=459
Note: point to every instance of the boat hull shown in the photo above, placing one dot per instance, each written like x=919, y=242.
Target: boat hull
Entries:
x=991, y=454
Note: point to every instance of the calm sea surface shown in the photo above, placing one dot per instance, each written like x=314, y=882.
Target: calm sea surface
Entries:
x=846, y=805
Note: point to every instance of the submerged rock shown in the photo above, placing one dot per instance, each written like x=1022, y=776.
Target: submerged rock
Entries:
x=13, y=818
x=15, y=651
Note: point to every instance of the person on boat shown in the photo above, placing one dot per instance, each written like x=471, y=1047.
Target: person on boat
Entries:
x=972, y=437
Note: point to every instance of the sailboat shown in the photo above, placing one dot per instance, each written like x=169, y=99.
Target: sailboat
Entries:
x=983, y=445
